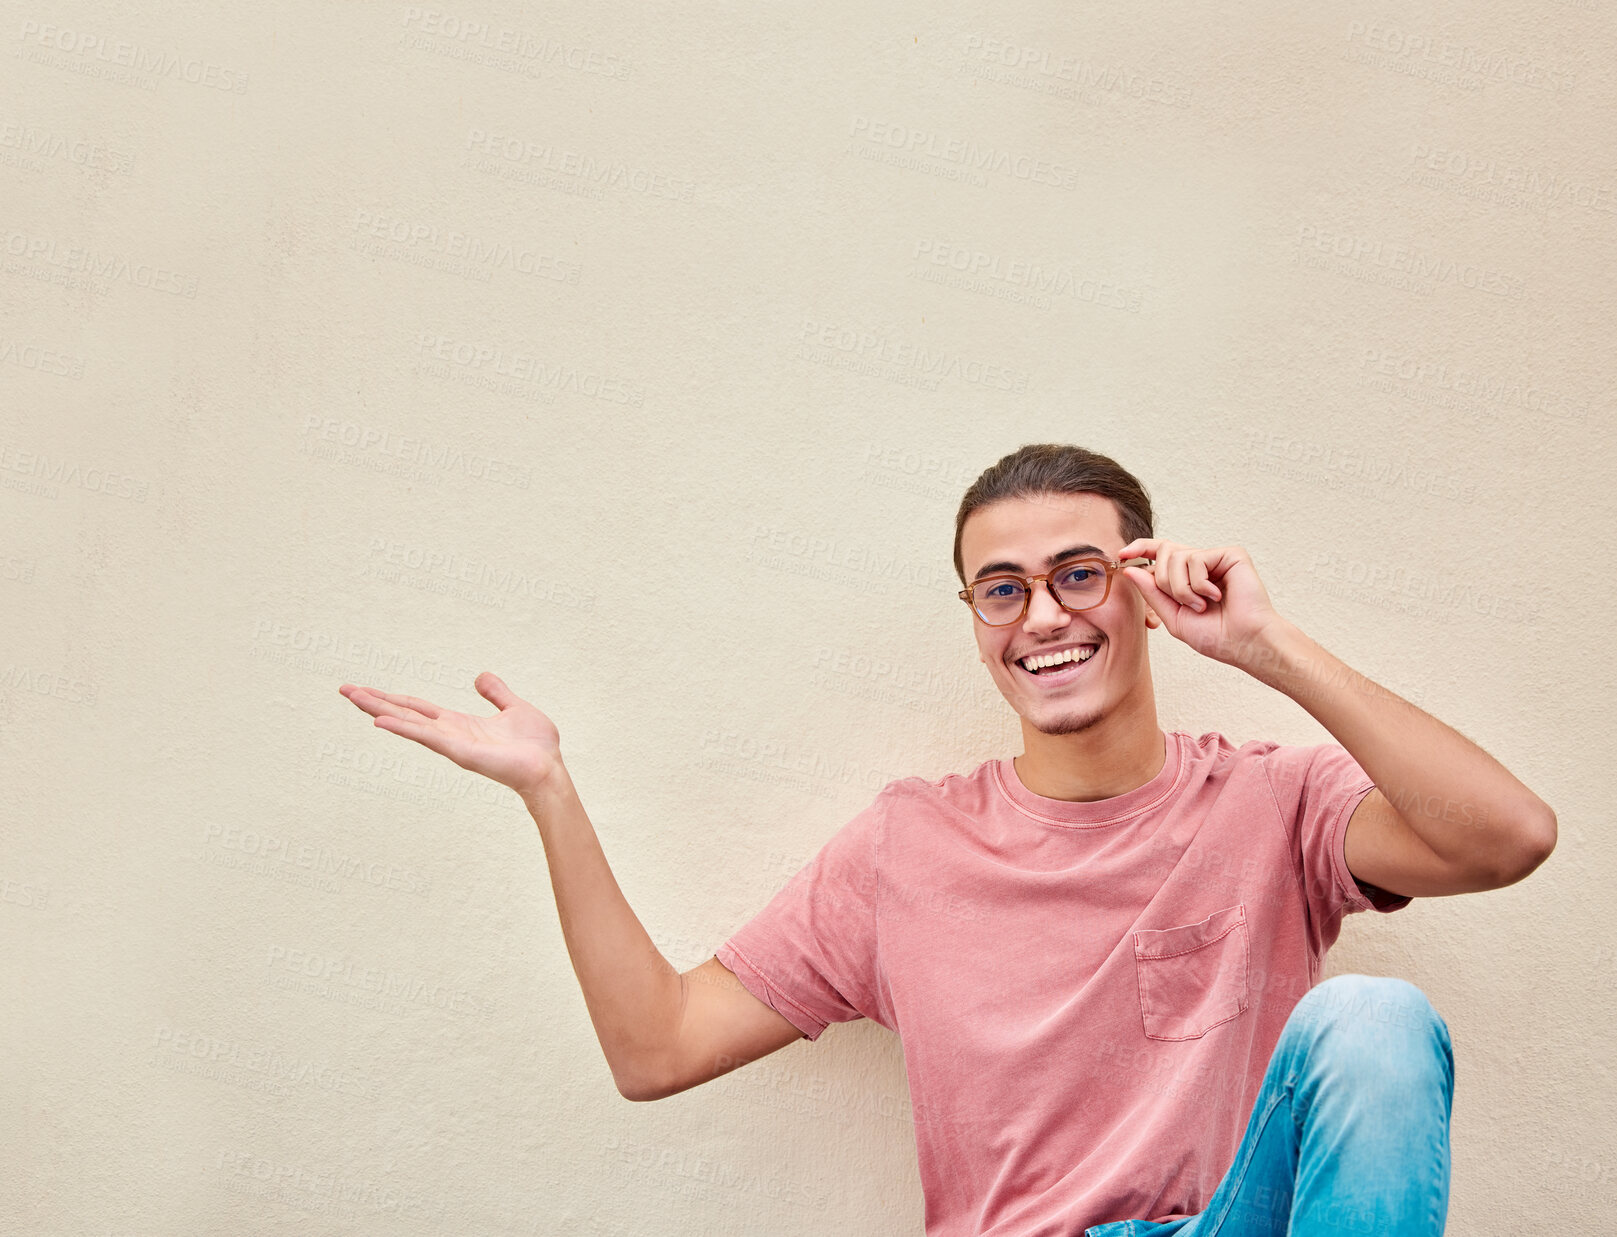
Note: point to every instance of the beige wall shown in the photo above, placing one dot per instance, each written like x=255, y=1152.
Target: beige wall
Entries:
x=389, y=344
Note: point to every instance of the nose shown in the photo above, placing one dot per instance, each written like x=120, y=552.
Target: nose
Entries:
x=1044, y=612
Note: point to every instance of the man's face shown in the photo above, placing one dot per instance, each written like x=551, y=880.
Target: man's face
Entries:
x=1025, y=536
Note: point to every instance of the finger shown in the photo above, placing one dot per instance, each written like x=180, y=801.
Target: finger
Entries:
x=376, y=703
x=1159, y=601
x=1220, y=563
x=424, y=707
x=1200, y=582
x=1179, y=583
x=428, y=736
x=493, y=689
x=358, y=696
x=1140, y=547
x=1162, y=571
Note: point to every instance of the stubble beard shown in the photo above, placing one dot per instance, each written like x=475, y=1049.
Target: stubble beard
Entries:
x=1071, y=723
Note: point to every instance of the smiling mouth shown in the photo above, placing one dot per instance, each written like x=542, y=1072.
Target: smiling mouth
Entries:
x=1067, y=664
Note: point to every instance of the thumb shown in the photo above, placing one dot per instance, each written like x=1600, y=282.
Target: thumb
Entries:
x=493, y=689
x=1144, y=581
x=1154, y=596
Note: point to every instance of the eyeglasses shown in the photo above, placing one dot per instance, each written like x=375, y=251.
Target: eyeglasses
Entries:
x=1077, y=584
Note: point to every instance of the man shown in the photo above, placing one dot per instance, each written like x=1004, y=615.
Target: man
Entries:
x=1101, y=956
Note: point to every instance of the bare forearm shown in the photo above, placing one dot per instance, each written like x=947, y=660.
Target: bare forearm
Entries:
x=632, y=992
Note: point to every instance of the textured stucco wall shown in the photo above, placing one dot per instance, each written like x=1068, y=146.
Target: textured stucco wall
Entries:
x=642, y=357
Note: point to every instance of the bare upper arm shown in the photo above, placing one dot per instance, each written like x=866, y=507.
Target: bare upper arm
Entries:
x=722, y=1027
x=1383, y=851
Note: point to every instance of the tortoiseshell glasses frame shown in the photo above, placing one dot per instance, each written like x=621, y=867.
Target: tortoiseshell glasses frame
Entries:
x=1110, y=565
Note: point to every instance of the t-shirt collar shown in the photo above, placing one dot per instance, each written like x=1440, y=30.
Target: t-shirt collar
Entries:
x=1111, y=811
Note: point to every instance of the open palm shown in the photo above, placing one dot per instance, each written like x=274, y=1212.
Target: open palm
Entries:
x=518, y=747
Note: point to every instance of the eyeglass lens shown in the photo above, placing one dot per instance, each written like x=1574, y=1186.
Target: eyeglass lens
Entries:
x=1076, y=585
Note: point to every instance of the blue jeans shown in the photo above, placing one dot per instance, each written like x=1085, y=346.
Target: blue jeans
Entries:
x=1350, y=1131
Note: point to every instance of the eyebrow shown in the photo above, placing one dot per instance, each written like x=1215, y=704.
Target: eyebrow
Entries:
x=1070, y=552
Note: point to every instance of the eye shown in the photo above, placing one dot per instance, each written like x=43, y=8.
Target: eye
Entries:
x=1003, y=588
x=1079, y=574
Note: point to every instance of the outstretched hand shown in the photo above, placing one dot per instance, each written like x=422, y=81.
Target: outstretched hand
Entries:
x=518, y=747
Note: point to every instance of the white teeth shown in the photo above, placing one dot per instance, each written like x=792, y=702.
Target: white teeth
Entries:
x=1055, y=659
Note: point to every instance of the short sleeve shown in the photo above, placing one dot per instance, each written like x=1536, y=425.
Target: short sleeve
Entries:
x=810, y=953
x=1316, y=789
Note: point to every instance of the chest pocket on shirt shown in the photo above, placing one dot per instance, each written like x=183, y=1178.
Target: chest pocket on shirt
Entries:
x=1192, y=977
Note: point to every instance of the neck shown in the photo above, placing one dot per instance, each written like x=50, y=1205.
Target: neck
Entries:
x=1100, y=762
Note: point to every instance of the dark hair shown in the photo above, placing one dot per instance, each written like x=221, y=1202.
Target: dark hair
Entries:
x=1058, y=468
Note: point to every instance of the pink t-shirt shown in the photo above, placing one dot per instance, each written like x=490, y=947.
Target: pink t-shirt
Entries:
x=1087, y=994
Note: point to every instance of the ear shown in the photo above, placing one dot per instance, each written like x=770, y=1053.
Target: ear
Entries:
x=1151, y=619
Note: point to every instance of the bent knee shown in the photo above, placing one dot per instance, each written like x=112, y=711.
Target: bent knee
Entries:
x=1373, y=1001
x=1377, y=1030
